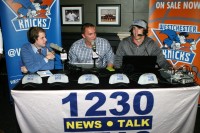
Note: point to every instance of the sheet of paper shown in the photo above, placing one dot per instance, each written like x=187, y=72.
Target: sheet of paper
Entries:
x=45, y=73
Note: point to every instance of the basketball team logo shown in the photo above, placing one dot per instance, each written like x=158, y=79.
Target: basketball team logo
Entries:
x=29, y=13
x=174, y=25
x=178, y=42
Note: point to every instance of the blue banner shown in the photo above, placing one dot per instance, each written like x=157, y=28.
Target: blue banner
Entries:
x=17, y=16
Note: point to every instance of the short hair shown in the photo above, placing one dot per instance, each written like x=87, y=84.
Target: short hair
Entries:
x=33, y=34
x=145, y=32
x=84, y=26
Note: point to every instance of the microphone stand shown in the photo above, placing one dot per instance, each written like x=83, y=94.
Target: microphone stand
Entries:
x=94, y=69
x=94, y=57
x=63, y=62
x=94, y=61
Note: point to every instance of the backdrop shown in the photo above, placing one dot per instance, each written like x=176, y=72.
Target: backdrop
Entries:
x=17, y=16
x=175, y=26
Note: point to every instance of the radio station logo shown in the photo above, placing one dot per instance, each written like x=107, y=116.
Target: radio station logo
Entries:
x=178, y=42
x=29, y=13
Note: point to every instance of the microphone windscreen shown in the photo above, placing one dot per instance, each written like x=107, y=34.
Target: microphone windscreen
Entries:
x=93, y=45
x=56, y=47
x=52, y=45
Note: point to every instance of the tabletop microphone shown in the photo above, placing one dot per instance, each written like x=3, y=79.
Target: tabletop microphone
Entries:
x=94, y=54
x=58, y=48
x=63, y=54
x=93, y=45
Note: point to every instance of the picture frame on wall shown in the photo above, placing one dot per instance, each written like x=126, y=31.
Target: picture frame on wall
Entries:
x=108, y=14
x=72, y=15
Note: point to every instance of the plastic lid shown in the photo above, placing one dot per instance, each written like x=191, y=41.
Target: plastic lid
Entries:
x=118, y=78
x=32, y=78
x=88, y=78
x=58, y=78
x=148, y=78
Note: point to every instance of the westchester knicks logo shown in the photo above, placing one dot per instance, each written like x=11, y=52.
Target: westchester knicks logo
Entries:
x=30, y=13
x=178, y=42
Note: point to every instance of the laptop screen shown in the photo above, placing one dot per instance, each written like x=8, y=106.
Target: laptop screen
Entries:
x=139, y=63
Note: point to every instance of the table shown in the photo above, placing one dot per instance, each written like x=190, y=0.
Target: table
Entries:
x=155, y=110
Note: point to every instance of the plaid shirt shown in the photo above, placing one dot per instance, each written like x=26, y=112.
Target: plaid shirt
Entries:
x=80, y=53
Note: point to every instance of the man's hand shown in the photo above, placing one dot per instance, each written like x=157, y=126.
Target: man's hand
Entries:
x=110, y=67
x=24, y=69
x=50, y=55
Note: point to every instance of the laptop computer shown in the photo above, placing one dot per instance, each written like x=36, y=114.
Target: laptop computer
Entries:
x=133, y=64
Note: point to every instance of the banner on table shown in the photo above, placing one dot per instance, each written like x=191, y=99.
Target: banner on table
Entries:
x=129, y=110
x=17, y=16
x=175, y=26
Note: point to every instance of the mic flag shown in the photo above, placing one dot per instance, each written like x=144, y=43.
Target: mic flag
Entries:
x=58, y=48
x=63, y=56
x=94, y=55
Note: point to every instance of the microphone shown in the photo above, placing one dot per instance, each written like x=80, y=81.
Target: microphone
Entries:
x=63, y=54
x=94, y=54
x=93, y=45
x=58, y=48
x=140, y=34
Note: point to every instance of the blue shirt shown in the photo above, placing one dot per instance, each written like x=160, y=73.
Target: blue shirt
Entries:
x=80, y=53
x=34, y=61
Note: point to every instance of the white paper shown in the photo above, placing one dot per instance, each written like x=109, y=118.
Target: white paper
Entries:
x=45, y=73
